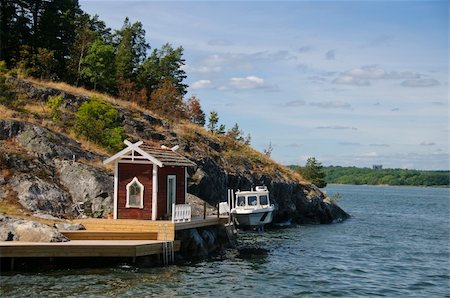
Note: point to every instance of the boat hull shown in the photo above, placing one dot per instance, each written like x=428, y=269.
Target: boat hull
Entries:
x=253, y=217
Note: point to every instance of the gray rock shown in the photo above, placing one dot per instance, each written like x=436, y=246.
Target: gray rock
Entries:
x=14, y=229
x=10, y=128
x=42, y=94
x=38, y=195
x=2, y=187
x=47, y=144
x=69, y=227
x=209, y=182
x=203, y=242
x=86, y=183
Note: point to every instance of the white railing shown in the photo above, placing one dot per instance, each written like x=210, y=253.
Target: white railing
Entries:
x=224, y=208
x=181, y=212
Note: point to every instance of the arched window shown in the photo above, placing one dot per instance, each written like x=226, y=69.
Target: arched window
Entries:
x=135, y=194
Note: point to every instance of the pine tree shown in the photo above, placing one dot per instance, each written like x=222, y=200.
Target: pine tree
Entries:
x=313, y=171
x=163, y=64
x=98, y=65
x=221, y=129
x=212, y=121
x=131, y=50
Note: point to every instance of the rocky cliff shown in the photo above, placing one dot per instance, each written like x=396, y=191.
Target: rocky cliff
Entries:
x=46, y=171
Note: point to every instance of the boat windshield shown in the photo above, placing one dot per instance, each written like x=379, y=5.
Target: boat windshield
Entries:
x=263, y=200
x=252, y=201
x=241, y=201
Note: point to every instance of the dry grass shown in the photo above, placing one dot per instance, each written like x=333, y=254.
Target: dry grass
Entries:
x=38, y=109
x=89, y=93
x=6, y=112
x=12, y=208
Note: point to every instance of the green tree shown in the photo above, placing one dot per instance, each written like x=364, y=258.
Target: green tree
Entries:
x=163, y=64
x=131, y=50
x=85, y=36
x=212, y=121
x=236, y=133
x=221, y=129
x=313, y=171
x=98, y=65
x=45, y=63
x=99, y=122
x=56, y=30
x=54, y=104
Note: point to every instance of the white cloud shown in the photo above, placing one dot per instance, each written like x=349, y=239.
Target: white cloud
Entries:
x=349, y=80
x=367, y=72
x=202, y=69
x=362, y=76
x=420, y=83
x=250, y=82
x=368, y=154
x=201, y=84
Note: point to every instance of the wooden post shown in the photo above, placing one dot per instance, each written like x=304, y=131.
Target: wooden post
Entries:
x=204, y=209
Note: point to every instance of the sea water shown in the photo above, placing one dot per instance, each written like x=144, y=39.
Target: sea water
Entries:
x=396, y=244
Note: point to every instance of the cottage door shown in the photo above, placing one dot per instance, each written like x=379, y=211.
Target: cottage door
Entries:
x=171, y=192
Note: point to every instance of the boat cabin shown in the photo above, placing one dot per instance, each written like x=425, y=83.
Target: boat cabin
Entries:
x=148, y=181
x=254, y=198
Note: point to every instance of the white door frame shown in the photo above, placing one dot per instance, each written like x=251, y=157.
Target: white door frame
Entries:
x=174, y=191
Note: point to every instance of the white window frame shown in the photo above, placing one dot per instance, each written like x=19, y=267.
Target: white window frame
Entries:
x=169, y=204
x=128, y=205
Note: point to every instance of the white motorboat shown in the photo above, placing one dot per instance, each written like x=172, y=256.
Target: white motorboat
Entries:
x=252, y=208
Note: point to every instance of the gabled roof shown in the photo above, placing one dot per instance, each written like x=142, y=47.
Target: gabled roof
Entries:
x=160, y=157
x=168, y=157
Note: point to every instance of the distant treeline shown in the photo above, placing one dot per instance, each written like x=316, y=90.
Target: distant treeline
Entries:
x=358, y=176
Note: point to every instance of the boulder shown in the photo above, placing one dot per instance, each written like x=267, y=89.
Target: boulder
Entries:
x=203, y=242
x=42, y=142
x=38, y=195
x=209, y=182
x=47, y=144
x=86, y=183
x=10, y=128
x=14, y=229
x=69, y=226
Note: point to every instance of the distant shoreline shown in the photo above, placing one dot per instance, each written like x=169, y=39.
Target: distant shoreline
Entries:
x=389, y=185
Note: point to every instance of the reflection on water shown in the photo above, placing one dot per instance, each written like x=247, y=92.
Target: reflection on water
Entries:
x=396, y=244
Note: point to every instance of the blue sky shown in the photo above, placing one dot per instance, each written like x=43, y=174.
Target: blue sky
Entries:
x=352, y=83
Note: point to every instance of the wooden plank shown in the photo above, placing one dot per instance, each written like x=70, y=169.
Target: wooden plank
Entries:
x=200, y=223
x=81, y=248
x=109, y=235
x=165, y=229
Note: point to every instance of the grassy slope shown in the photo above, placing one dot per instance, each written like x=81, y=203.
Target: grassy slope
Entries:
x=230, y=155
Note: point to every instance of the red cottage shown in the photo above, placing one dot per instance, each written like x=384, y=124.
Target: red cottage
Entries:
x=148, y=181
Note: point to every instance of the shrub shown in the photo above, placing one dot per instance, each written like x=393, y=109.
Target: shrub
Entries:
x=54, y=104
x=99, y=122
x=7, y=96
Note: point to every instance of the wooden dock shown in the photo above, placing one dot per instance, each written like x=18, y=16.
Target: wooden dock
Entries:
x=110, y=238
x=84, y=248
